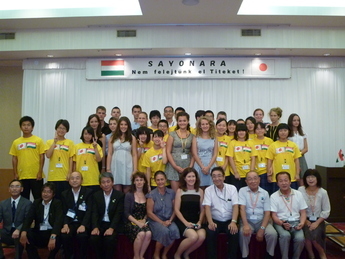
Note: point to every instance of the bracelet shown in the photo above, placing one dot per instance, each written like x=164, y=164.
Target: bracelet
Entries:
x=233, y=220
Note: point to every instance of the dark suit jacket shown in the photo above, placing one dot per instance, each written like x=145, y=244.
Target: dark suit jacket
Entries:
x=23, y=208
x=83, y=217
x=115, y=209
x=36, y=213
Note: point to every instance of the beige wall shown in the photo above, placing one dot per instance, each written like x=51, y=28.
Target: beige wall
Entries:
x=11, y=80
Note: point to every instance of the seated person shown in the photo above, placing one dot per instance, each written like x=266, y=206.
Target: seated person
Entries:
x=12, y=214
x=255, y=213
x=76, y=204
x=221, y=209
x=106, y=214
x=46, y=212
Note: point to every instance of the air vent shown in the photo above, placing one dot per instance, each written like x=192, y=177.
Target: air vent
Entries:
x=251, y=32
x=126, y=33
x=7, y=36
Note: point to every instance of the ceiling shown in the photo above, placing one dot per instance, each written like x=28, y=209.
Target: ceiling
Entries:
x=173, y=12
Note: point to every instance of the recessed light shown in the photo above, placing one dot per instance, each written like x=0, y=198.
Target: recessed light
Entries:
x=190, y=2
x=118, y=55
x=257, y=54
x=326, y=54
x=50, y=56
x=188, y=53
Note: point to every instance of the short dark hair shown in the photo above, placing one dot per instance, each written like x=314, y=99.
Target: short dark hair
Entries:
x=137, y=106
x=116, y=108
x=199, y=113
x=209, y=111
x=26, y=118
x=282, y=173
x=180, y=109
x=262, y=125
x=158, y=173
x=15, y=180
x=158, y=133
x=144, y=131
x=154, y=113
x=183, y=184
x=50, y=185
x=64, y=123
x=218, y=168
x=101, y=108
x=169, y=107
x=164, y=121
x=106, y=175
x=89, y=130
x=315, y=173
x=221, y=113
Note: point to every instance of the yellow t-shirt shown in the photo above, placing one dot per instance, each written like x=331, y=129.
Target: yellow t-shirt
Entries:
x=252, y=136
x=28, y=151
x=223, y=145
x=153, y=158
x=59, y=161
x=242, y=153
x=261, y=146
x=283, y=155
x=144, y=149
x=86, y=163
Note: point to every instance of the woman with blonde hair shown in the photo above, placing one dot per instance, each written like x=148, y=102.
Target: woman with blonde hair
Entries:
x=271, y=129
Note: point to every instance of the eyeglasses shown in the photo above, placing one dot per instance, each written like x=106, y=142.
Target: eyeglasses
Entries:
x=253, y=179
x=15, y=186
x=62, y=128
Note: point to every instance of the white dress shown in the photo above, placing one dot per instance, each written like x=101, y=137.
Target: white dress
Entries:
x=122, y=162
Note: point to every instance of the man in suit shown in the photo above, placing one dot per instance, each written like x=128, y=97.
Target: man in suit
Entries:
x=12, y=214
x=76, y=203
x=47, y=214
x=107, y=212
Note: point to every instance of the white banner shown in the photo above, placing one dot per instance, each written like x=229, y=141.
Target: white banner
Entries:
x=199, y=68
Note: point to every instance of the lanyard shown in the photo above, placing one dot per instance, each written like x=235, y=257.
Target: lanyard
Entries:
x=286, y=204
x=312, y=202
x=251, y=200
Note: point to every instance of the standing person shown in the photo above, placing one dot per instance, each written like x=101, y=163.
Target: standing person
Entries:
x=205, y=149
x=116, y=112
x=262, y=144
x=136, y=226
x=142, y=120
x=179, y=150
x=163, y=125
x=101, y=112
x=95, y=123
x=250, y=123
x=143, y=145
x=112, y=126
x=76, y=205
x=155, y=158
x=13, y=211
x=177, y=111
x=209, y=114
x=271, y=129
x=189, y=213
x=242, y=155
x=318, y=211
x=136, y=110
x=231, y=128
x=155, y=117
x=221, y=115
x=255, y=210
x=169, y=115
x=122, y=155
x=283, y=155
x=160, y=212
x=28, y=159
x=46, y=214
x=60, y=152
x=259, y=115
x=86, y=155
x=221, y=209
x=223, y=145
x=289, y=215
x=106, y=214
x=300, y=138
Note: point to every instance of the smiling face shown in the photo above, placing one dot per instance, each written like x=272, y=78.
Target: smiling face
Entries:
x=204, y=125
x=87, y=137
x=15, y=189
x=123, y=126
x=139, y=182
x=231, y=128
x=155, y=120
x=47, y=194
x=163, y=127
x=283, y=182
x=75, y=180
x=241, y=135
x=253, y=181
x=168, y=113
x=258, y=115
x=157, y=140
x=218, y=179
x=160, y=180
x=250, y=125
x=112, y=125
x=260, y=132
x=94, y=123
x=311, y=180
x=182, y=122
x=221, y=127
x=61, y=131
x=283, y=134
x=190, y=179
x=142, y=119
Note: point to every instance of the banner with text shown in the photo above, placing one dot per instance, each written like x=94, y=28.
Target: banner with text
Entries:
x=180, y=68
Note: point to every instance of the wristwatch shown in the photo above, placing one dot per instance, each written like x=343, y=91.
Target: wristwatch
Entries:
x=52, y=237
x=262, y=227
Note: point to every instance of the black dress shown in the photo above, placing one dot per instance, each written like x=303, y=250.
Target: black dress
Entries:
x=131, y=229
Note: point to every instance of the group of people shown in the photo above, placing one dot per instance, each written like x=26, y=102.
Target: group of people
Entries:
x=216, y=171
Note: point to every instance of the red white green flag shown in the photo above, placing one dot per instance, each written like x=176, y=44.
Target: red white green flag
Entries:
x=112, y=67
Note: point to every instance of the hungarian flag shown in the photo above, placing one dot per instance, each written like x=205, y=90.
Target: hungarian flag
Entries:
x=340, y=156
x=112, y=67
x=31, y=145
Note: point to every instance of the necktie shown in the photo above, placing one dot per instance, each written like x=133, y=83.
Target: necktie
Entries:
x=13, y=210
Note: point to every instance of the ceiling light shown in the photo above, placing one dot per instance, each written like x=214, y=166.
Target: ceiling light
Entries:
x=118, y=55
x=50, y=56
x=190, y=2
x=188, y=53
x=326, y=54
x=257, y=54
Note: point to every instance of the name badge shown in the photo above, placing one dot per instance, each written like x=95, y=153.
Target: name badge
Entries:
x=245, y=167
x=253, y=217
x=290, y=219
x=82, y=206
x=59, y=165
x=285, y=167
x=43, y=226
x=71, y=213
x=262, y=165
x=312, y=218
x=184, y=156
x=84, y=168
x=219, y=159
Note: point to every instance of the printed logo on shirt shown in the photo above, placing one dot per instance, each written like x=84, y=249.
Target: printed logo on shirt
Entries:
x=145, y=149
x=238, y=149
x=31, y=145
x=81, y=151
x=264, y=147
x=247, y=149
x=280, y=150
x=258, y=147
x=154, y=159
x=21, y=146
x=90, y=151
x=223, y=144
x=160, y=156
x=64, y=147
x=289, y=149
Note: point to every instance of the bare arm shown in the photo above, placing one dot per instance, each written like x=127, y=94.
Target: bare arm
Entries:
x=305, y=149
x=40, y=170
x=233, y=167
x=297, y=169
x=134, y=155
x=110, y=155
x=15, y=165
x=215, y=153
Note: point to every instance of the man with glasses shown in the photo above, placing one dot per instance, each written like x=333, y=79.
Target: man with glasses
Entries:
x=221, y=207
x=12, y=214
x=255, y=210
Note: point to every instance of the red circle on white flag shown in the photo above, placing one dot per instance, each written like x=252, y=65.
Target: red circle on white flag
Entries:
x=263, y=67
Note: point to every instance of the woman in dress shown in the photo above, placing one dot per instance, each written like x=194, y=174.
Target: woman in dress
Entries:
x=231, y=129
x=122, y=155
x=223, y=144
x=189, y=213
x=95, y=123
x=205, y=150
x=160, y=212
x=318, y=210
x=136, y=227
x=143, y=145
x=250, y=123
x=300, y=138
x=242, y=156
x=271, y=129
x=179, y=150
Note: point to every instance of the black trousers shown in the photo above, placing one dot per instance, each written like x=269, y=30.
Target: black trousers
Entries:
x=211, y=240
x=33, y=185
x=81, y=239
x=104, y=246
x=40, y=239
x=6, y=238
